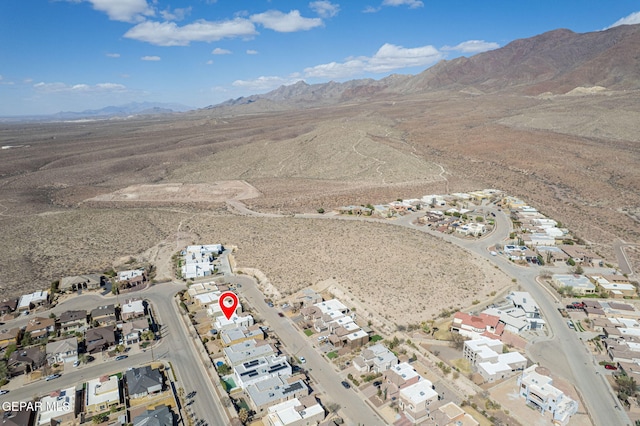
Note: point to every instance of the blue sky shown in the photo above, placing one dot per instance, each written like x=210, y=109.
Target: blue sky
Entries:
x=72, y=55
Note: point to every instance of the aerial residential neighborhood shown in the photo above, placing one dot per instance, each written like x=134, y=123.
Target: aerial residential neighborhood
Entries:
x=263, y=362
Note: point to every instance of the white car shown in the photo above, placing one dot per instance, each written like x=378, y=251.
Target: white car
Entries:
x=302, y=360
x=76, y=363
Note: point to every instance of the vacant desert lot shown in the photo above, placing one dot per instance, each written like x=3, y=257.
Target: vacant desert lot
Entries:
x=164, y=180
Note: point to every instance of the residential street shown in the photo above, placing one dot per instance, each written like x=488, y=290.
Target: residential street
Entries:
x=176, y=346
x=328, y=380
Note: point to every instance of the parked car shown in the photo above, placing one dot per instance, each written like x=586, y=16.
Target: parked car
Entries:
x=76, y=363
x=52, y=377
x=4, y=392
x=121, y=357
x=377, y=383
x=321, y=338
x=346, y=384
x=280, y=314
x=302, y=360
x=610, y=367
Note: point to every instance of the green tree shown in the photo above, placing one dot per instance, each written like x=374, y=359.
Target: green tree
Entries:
x=224, y=369
x=100, y=418
x=10, y=349
x=26, y=339
x=320, y=210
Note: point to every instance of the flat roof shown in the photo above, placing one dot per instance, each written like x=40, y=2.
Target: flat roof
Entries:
x=419, y=392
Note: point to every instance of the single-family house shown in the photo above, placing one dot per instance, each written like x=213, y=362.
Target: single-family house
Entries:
x=376, y=358
x=133, y=308
x=265, y=393
x=579, y=284
x=475, y=326
x=9, y=337
x=536, y=387
x=26, y=360
x=401, y=375
x=143, y=381
x=100, y=339
x=58, y=408
x=101, y=394
x=295, y=412
x=62, y=351
x=81, y=282
x=415, y=400
x=261, y=369
x=158, y=416
x=73, y=321
x=580, y=254
x=232, y=336
x=247, y=351
x=39, y=328
x=33, y=300
x=131, y=332
x=104, y=315
x=8, y=305
x=487, y=357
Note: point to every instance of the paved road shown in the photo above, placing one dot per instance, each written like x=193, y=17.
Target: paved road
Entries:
x=623, y=261
x=328, y=380
x=176, y=346
x=563, y=352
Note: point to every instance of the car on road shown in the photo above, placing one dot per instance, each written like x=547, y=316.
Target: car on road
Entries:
x=346, y=384
x=570, y=324
x=610, y=367
x=76, y=363
x=280, y=314
x=302, y=360
x=4, y=392
x=52, y=377
x=121, y=357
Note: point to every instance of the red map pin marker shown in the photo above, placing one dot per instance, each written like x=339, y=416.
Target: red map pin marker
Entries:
x=228, y=302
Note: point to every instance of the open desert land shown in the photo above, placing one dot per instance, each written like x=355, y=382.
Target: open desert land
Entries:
x=66, y=198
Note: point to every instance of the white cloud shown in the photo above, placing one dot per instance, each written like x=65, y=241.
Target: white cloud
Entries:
x=371, y=9
x=264, y=83
x=176, y=15
x=473, y=46
x=324, y=8
x=123, y=10
x=170, y=34
x=43, y=87
x=219, y=51
x=285, y=22
x=209, y=62
x=1, y=77
x=150, y=58
x=413, y=4
x=631, y=19
x=388, y=58
x=113, y=55
x=252, y=52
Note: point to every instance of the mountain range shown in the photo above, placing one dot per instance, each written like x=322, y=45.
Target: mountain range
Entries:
x=554, y=62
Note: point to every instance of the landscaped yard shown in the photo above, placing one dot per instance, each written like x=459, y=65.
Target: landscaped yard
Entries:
x=332, y=355
x=375, y=338
x=308, y=332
